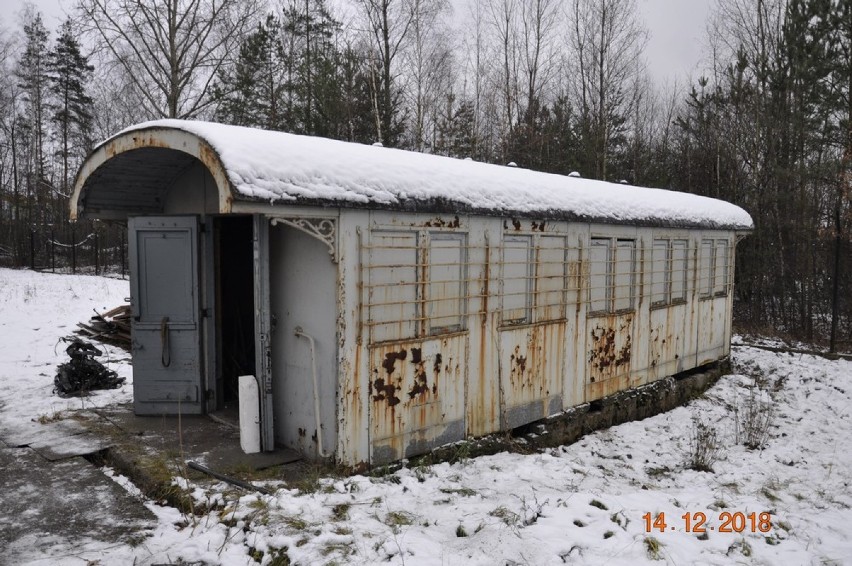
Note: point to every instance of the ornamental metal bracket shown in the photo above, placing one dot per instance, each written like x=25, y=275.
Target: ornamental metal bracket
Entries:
x=323, y=229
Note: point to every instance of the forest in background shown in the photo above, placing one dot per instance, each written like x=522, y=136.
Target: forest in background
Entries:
x=552, y=85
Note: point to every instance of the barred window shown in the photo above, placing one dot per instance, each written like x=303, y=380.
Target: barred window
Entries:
x=612, y=275
x=668, y=272
x=517, y=272
x=447, y=274
x=534, y=281
x=416, y=284
x=549, y=279
x=713, y=273
x=393, y=293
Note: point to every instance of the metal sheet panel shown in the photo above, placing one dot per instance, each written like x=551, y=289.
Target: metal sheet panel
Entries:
x=609, y=346
x=417, y=396
x=531, y=370
x=303, y=284
x=666, y=340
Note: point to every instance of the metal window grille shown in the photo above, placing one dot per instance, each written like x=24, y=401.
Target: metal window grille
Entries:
x=668, y=271
x=612, y=275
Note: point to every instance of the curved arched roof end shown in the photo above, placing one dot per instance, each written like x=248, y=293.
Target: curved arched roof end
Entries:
x=129, y=172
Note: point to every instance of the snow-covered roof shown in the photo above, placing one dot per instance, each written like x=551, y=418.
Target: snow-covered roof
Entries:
x=278, y=167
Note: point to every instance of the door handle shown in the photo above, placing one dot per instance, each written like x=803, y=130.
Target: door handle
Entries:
x=165, y=353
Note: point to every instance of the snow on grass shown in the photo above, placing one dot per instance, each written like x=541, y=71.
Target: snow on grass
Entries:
x=578, y=504
x=36, y=310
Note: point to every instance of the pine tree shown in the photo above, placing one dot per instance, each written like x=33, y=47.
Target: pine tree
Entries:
x=456, y=131
x=310, y=31
x=69, y=71
x=252, y=93
x=356, y=122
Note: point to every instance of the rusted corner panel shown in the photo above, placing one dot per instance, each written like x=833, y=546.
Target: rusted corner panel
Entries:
x=353, y=448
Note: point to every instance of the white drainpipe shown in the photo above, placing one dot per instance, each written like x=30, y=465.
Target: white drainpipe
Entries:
x=300, y=332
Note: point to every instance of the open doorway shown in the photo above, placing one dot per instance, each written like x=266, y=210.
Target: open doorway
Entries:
x=235, y=333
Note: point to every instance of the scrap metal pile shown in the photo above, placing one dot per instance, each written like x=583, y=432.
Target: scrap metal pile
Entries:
x=83, y=373
x=111, y=327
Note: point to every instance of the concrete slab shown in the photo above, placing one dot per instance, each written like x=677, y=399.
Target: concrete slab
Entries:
x=57, y=440
x=77, y=445
x=57, y=505
x=24, y=433
x=198, y=438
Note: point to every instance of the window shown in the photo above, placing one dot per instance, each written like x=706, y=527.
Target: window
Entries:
x=417, y=284
x=517, y=269
x=550, y=279
x=713, y=268
x=446, y=296
x=705, y=268
x=393, y=294
x=680, y=260
x=720, y=284
x=533, y=279
x=598, y=275
x=668, y=272
x=612, y=275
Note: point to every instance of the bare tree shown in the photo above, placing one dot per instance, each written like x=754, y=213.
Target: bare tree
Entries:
x=540, y=20
x=169, y=49
x=389, y=23
x=429, y=59
x=504, y=21
x=606, y=42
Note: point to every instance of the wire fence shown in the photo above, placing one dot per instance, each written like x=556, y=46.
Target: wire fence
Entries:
x=83, y=247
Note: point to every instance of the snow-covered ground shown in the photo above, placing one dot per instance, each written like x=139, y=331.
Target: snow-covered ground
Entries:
x=578, y=504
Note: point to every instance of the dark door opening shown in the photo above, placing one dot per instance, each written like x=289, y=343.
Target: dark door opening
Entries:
x=235, y=333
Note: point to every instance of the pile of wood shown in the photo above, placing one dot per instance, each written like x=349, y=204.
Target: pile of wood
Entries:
x=111, y=327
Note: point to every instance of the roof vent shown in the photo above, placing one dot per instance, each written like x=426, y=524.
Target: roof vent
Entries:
x=624, y=182
x=378, y=144
x=574, y=174
x=511, y=164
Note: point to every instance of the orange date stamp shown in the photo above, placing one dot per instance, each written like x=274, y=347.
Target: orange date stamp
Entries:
x=736, y=522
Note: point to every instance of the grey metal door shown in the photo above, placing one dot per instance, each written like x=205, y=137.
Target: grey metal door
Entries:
x=164, y=296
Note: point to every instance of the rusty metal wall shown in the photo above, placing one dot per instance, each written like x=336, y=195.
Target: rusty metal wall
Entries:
x=527, y=343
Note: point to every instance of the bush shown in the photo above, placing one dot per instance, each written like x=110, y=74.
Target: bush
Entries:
x=753, y=420
x=704, y=446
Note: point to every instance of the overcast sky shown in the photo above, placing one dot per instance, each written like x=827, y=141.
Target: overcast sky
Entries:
x=674, y=51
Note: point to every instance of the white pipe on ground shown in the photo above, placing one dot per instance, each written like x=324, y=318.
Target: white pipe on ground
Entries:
x=300, y=332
